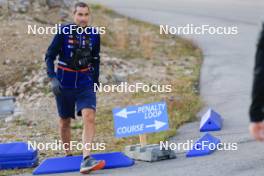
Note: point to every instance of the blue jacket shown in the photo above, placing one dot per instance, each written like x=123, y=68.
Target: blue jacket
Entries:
x=62, y=46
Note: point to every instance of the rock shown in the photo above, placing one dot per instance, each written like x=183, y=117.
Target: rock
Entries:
x=41, y=79
x=21, y=96
x=35, y=96
x=103, y=79
x=188, y=72
x=23, y=6
x=60, y=3
x=3, y=7
x=35, y=78
x=9, y=119
x=63, y=14
x=50, y=94
x=7, y=62
x=38, y=134
x=22, y=88
x=54, y=3
x=42, y=2
x=9, y=91
x=36, y=61
x=119, y=77
x=17, y=114
x=68, y=3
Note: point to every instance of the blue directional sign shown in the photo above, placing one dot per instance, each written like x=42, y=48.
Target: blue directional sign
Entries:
x=135, y=120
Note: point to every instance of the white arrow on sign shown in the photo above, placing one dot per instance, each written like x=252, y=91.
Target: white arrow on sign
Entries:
x=157, y=124
x=123, y=113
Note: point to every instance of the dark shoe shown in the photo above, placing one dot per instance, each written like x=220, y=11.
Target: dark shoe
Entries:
x=90, y=164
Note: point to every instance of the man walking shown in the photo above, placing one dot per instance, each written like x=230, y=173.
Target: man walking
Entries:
x=78, y=48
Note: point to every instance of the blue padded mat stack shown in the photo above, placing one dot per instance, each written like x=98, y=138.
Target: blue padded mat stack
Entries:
x=17, y=155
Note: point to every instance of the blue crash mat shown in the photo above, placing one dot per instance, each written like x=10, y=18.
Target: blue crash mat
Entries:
x=18, y=164
x=72, y=163
x=16, y=151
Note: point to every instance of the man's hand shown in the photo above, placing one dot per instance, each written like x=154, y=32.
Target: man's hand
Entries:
x=55, y=86
x=257, y=130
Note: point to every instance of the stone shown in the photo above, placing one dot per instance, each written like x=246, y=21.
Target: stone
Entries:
x=54, y=3
x=63, y=14
x=9, y=119
x=9, y=91
x=23, y=6
x=7, y=62
x=3, y=7
x=68, y=3
x=119, y=77
x=103, y=79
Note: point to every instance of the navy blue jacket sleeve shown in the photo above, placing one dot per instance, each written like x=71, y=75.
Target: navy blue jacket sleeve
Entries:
x=51, y=54
x=96, y=53
x=257, y=105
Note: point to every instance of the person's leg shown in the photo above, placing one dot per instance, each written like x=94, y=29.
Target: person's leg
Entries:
x=66, y=109
x=89, y=163
x=86, y=107
x=65, y=133
x=88, y=116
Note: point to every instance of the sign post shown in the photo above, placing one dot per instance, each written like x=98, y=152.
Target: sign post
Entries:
x=140, y=120
x=143, y=140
